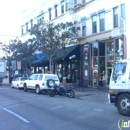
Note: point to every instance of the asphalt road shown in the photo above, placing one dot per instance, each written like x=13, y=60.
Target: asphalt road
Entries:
x=21, y=110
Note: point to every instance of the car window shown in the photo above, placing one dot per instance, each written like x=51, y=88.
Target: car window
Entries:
x=40, y=77
x=22, y=79
x=51, y=77
x=16, y=79
x=31, y=77
x=35, y=77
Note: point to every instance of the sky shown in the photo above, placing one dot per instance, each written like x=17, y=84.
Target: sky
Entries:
x=10, y=14
x=10, y=18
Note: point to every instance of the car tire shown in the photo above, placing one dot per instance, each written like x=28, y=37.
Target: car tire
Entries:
x=123, y=104
x=50, y=83
x=38, y=89
x=25, y=87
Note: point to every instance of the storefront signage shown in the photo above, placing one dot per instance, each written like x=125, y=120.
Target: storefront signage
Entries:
x=71, y=57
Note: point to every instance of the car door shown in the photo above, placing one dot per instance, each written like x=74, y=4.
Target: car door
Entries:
x=15, y=82
x=35, y=81
x=29, y=82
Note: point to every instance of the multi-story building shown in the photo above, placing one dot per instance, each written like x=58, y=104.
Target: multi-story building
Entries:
x=102, y=38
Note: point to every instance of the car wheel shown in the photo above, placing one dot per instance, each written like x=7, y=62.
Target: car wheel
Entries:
x=25, y=87
x=123, y=104
x=50, y=83
x=38, y=89
x=17, y=86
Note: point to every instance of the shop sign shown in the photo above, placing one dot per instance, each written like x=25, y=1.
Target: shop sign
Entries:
x=71, y=57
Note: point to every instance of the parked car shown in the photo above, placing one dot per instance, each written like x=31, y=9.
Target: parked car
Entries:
x=39, y=82
x=18, y=82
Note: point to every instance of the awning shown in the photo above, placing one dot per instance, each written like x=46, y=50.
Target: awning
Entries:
x=39, y=58
x=69, y=53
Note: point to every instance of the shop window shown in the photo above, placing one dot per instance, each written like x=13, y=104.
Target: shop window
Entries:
x=119, y=49
x=101, y=49
x=95, y=49
x=110, y=54
x=95, y=62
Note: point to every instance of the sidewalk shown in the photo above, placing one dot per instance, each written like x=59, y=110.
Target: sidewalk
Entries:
x=90, y=91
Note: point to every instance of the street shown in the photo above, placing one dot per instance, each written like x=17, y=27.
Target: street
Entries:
x=21, y=110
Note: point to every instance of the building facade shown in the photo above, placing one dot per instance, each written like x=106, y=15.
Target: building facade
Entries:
x=102, y=38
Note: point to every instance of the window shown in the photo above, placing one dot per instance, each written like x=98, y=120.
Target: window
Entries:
x=55, y=10
x=40, y=77
x=102, y=21
x=26, y=27
x=122, y=15
x=94, y=24
x=75, y=2
x=31, y=23
x=66, y=6
x=83, y=20
x=83, y=1
x=115, y=15
x=84, y=31
x=49, y=14
x=40, y=17
x=22, y=32
x=35, y=77
x=62, y=7
x=95, y=49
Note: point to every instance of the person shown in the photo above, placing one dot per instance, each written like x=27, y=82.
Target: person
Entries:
x=60, y=77
x=68, y=77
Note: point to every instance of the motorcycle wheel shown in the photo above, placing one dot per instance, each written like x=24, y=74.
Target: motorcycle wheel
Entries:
x=71, y=94
x=52, y=94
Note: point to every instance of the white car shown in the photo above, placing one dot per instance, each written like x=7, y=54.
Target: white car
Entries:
x=18, y=82
x=39, y=82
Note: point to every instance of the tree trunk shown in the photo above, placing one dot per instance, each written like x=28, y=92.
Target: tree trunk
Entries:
x=50, y=66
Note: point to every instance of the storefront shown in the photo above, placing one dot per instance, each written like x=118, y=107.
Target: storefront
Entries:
x=99, y=58
x=67, y=66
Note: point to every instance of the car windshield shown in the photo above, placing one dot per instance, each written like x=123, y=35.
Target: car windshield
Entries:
x=51, y=77
x=119, y=69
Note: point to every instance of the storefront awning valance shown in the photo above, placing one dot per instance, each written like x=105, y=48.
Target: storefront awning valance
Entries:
x=69, y=53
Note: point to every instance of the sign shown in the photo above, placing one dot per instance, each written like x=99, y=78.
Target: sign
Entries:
x=18, y=65
x=13, y=65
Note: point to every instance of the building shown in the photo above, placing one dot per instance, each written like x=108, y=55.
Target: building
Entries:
x=103, y=36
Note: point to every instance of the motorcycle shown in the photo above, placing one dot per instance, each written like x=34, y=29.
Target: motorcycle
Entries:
x=62, y=91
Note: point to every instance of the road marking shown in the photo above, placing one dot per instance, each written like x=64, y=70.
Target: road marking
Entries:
x=18, y=116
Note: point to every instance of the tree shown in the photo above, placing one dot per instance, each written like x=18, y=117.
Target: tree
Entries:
x=50, y=37
x=18, y=51
x=24, y=52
